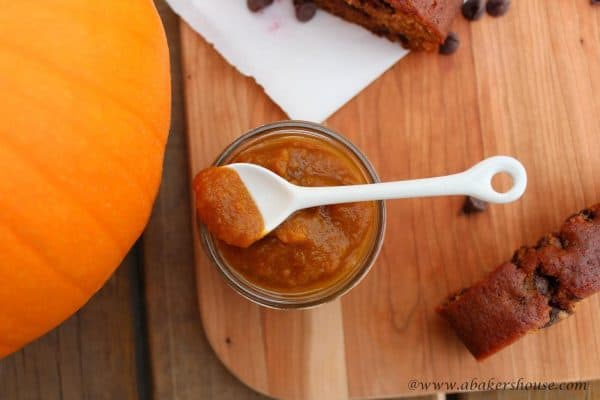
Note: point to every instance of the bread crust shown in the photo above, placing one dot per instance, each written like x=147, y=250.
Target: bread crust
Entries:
x=417, y=24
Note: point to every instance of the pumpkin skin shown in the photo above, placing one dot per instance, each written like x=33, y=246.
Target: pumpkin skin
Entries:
x=84, y=119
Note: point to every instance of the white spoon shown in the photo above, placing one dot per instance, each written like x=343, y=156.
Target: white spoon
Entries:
x=277, y=199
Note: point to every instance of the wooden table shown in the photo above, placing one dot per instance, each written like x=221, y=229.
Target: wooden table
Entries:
x=140, y=337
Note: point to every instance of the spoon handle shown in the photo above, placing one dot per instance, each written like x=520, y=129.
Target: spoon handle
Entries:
x=476, y=182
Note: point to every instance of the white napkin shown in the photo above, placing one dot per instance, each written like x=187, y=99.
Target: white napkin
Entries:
x=310, y=69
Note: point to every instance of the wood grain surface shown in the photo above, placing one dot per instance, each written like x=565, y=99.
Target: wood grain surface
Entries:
x=90, y=356
x=525, y=85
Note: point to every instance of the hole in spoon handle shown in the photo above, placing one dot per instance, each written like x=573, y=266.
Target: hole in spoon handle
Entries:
x=479, y=179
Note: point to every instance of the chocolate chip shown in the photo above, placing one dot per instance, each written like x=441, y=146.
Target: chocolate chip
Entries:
x=595, y=2
x=497, y=8
x=473, y=205
x=556, y=315
x=546, y=285
x=403, y=41
x=473, y=9
x=450, y=45
x=519, y=256
x=305, y=10
x=257, y=5
x=564, y=242
x=542, y=285
x=588, y=214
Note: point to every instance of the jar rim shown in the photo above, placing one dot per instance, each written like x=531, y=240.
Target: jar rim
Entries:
x=264, y=297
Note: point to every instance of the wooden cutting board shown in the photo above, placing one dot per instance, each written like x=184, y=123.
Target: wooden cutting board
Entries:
x=527, y=85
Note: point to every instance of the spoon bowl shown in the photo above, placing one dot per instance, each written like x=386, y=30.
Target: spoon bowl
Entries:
x=275, y=198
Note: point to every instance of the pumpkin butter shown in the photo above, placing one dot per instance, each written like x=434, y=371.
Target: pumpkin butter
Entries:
x=226, y=207
x=313, y=248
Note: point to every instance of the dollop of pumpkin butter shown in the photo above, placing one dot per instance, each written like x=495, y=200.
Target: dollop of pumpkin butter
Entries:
x=226, y=207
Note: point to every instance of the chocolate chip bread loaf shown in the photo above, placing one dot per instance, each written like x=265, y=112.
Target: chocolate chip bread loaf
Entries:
x=417, y=24
x=539, y=286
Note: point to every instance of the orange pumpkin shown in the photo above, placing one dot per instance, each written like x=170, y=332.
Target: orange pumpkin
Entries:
x=84, y=117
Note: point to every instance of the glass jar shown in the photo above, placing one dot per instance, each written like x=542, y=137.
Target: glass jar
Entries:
x=282, y=300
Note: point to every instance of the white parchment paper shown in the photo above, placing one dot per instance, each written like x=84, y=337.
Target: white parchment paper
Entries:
x=309, y=69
